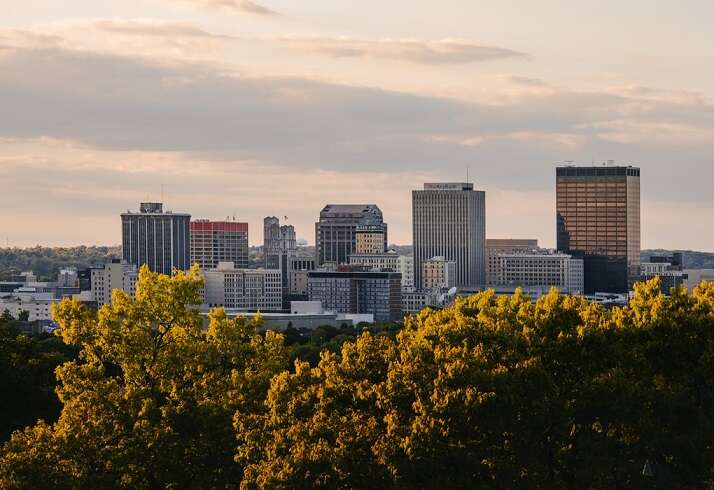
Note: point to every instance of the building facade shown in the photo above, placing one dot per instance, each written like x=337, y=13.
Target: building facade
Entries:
x=439, y=273
x=543, y=270
x=370, y=239
x=415, y=301
x=114, y=275
x=669, y=269
x=219, y=241
x=279, y=242
x=161, y=240
x=389, y=261
x=299, y=267
x=242, y=289
x=336, y=231
x=449, y=220
x=357, y=292
x=497, y=246
x=598, y=218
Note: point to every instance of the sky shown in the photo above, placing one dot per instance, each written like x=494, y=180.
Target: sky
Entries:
x=278, y=107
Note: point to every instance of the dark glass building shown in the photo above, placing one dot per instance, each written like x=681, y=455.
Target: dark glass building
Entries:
x=161, y=240
x=598, y=216
x=336, y=232
x=358, y=292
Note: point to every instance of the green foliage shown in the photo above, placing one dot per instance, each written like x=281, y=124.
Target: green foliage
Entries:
x=493, y=392
x=150, y=401
x=27, y=379
x=308, y=344
x=501, y=393
x=46, y=262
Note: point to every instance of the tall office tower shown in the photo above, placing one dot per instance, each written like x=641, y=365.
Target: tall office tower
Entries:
x=449, y=220
x=336, y=232
x=219, y=241
x=499, y=246
x=278, y=243
x=599, y=220
x=161, y=240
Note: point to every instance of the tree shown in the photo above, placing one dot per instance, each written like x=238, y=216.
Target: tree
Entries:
x=492, y=392
x=27, y=379
x=501, y=392
x=24, y=316
x=150, y=402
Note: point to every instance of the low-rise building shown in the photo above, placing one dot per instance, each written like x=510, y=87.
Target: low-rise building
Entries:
x=388, y=261
x=694, y=277
x=668, y=268
x=543, y=269
x=498, y=246
x=415, y=301
x=377, y=293
x=37, y=308
x=439, y=273
x=243, y=289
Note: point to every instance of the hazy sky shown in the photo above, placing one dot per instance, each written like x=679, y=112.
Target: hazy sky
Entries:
x=281, y=106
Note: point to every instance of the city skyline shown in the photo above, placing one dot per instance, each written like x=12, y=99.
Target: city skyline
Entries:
x=277, y=108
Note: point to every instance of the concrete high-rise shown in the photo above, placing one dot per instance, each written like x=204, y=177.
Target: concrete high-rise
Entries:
x=336, y=232
x=598, y=219
x=161, y=240
x=278, y=243
x=213, y=242
x=449, y=220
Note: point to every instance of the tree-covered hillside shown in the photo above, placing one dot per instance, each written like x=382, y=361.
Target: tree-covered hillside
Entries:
x=46, y=262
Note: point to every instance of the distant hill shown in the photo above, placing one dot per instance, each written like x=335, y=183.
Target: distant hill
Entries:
x=692, y=259
x=46, y=262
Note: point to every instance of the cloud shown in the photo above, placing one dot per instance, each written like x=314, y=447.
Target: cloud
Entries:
x=214, y=114
x=230, y=6
x=99, y=184
x=148, y=27
x=447, y=51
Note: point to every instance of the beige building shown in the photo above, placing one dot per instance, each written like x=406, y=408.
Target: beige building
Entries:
x=243, y=289
x=390, y=260
x=439, y=273
x=115, y=275
x=695, y=276
x=369, y=239
x=541, y=269
x=497, y=246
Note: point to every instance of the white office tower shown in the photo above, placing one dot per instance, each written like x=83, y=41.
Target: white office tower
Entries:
x=449, y=220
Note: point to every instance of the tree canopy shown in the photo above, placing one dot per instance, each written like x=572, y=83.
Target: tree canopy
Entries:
x=492, y=392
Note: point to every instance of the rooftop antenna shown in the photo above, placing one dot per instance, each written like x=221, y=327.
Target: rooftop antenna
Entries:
x=162, y=193
x=467, y=176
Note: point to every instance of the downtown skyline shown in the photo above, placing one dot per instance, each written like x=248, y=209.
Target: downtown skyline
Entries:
x=278, y=108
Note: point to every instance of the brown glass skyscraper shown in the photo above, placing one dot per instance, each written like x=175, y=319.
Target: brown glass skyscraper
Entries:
x=599, y=220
